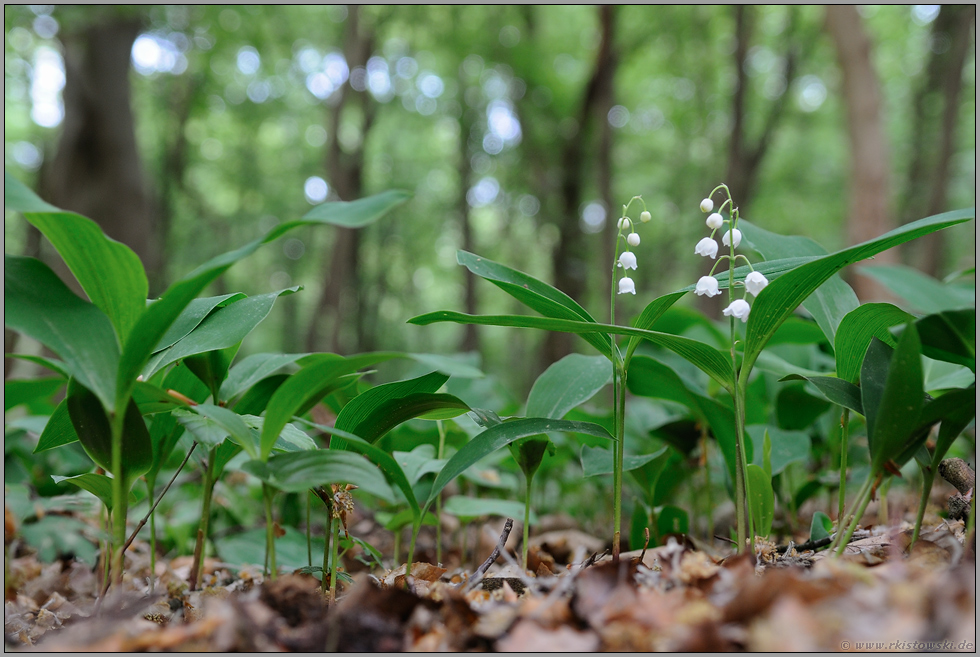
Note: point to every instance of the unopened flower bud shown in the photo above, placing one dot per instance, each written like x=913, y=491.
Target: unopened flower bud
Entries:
x=633, y=239
x=714, y=220
x=645, y=216
x=706, y=205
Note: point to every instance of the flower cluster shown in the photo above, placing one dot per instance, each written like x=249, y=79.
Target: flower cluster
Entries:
x=627, y=259
x=708, y=247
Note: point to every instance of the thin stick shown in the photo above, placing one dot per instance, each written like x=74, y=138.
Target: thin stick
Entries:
x=504, y=535
x=152, y=509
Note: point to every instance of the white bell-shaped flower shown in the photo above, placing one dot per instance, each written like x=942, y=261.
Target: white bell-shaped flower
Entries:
x=625, y=223
x=755, y=282
x=633, y=239
x=739, y=309
x=727, y=236
x=714, y=220
x=627, y=260
x=707, y=247
x=626, y=286
x=645, y=216
x=707, y=286
x=707, y=204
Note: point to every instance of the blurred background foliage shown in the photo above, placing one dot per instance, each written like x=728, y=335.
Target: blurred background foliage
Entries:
x=520, y=130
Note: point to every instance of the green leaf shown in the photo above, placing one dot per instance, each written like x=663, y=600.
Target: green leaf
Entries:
x=98, y=484
x=307, y=386
x=109, y=272
x=767, y=453
x=820, y=526
x=419, y=462
x=901, y=400
x=672, y=520
x=599, y=461
x=225, y=327
x=58, y=431
x=294, y=472
x=950, y=336
x=352, y=214
x=499, y=436
x=191, y=316
x=373, y=413
x=708, y=359
x=39, y=305
x=837, y=391
x=448, y=365
x=831, y=301
x=924, y=293
x=874, y=374
x=786, y=446
x=782, y=296
x=95, y=433
x=150, y=399
x=529, y=452
x=564, y=385
x=24, y=391
x=471, y=508
x=761, y=500
x=535, y=294
x=651, y=313
x=211, y=424
x=856, y=330
x=248, y=548
x=252, y=369
x=51, y=364
x=796, y=409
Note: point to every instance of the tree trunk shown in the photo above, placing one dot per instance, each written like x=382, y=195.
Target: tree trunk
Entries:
x=936, y=110
x=471, y=337
x=571, y=261
x=338, y=306
x=96, y=170
x=868, y=216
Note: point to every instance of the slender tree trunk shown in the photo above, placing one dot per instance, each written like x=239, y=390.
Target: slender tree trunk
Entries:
x=571, y=262
x=96, y=170
x=338, y=303
x=935, y=110
x=471, y=337
x=868, y=216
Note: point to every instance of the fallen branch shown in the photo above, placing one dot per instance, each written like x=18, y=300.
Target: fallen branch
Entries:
x=504, y=535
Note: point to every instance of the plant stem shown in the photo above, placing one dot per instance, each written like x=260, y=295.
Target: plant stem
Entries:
x=857, y=517
x=202, y=530
x=334, y=544
x=707, y=484
x=309, y=535
x=120, y=497
x=439, y=455
x=844, y=521
x=527, y=520
x=270, y=535
x=619, y=448
x=324, y=583
x=150, y=484
x=844, y=422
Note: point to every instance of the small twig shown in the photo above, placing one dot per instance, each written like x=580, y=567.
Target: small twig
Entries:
x=152, y=509
x=726, y=539
x=803, y=547
x=595, y=557
x=478, y=574
x=646, y=543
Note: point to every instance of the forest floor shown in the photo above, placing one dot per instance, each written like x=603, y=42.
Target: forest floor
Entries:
x=879, y=596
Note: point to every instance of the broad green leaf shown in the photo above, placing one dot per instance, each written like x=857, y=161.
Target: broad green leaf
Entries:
x=307, y=386
x=248, y=548
x=836, y=390
x=782, y=296
x=403, y=518
x=708, y=359
x=192, y=315
x=950, y=336
x=342, y=440
x=92, y=427
x=165, y=431
x=599, y=461
x=448, y=365
x=150, y=399
x=653, y=311
x=672, y=520
x=901, y=400
x=923, y=293
x=211, y=367
x=39, y=305
x=499, y=436
x=535, y=294
x=786, y=446
x=30, y=423
x=223, y=328
x=23, y=391
x=956, y=422
x=767, y=454
x=211, y=424
x=294, y=472
x=529, y=453
x=375, y=412
x=564, y=385
x=49, y=363
x=110, y=272
x=98, y=484
x=797, y=409
x=761, y=500
x=773, y=364
x=252, y=369
x=856, y=330
x=470, y=508
x=419, y=462
x=831, y=301
x=256, y=399
x=874, y=374
x=58, y=431
x=352, y=214
x=650, y=378
x=796, y=330
x=820, y=526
